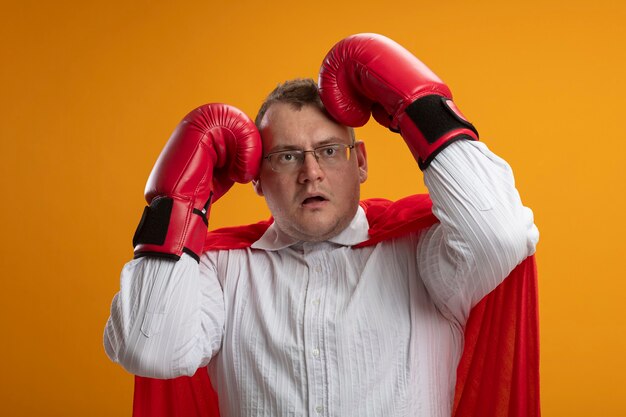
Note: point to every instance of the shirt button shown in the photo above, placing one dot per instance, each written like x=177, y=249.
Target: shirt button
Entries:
x=316, y=352
x=318, y=269
x=319, y=409
x=316, y=302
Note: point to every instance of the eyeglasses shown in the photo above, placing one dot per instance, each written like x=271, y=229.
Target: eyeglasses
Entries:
x=326, y=156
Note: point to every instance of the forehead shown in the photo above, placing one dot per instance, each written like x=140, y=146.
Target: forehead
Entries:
x=285, y=126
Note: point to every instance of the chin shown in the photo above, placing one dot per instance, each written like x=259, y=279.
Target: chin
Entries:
x=319, y=237
x=320, y=231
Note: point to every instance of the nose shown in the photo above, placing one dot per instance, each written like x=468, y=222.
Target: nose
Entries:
x=310, y=169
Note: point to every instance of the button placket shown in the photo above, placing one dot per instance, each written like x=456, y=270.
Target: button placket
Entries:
x=314, y=330
x=316, y=322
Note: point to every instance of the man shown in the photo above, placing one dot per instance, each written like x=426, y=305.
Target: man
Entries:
x=308, y=320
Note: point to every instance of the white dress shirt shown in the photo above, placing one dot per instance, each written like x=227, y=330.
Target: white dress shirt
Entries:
x=293, y=328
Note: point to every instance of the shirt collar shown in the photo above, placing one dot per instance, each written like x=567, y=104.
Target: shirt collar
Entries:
x=275, y=239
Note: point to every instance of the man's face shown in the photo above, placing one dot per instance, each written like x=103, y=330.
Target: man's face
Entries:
x=312, y=203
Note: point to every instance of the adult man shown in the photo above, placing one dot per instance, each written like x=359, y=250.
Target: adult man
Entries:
x=306, y=321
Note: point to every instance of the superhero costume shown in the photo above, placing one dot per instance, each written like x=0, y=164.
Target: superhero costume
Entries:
x=498, y=374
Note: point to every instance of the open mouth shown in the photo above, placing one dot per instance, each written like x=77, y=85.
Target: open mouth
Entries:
x=313, y=200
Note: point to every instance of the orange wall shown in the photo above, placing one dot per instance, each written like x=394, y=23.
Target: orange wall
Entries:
x=91, y=91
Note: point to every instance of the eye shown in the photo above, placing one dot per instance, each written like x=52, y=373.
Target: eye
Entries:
x=329, y=151
x=286, y=158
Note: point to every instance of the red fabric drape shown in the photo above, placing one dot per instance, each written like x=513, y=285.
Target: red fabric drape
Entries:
x=498, y=375
x=180, y=397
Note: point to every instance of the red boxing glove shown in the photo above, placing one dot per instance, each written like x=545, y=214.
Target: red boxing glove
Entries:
x=369, y=73
x=211, y=148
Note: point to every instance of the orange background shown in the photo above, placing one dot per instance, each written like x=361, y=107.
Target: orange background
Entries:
x=91, y=91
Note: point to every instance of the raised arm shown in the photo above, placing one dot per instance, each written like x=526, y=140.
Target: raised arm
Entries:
x=167, y=320
x=484, y=230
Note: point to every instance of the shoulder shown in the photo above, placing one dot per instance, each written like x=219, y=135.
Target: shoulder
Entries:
x=391, y=219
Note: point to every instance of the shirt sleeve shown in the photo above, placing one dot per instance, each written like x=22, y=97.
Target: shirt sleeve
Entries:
x=484, y=230
x=167, y=320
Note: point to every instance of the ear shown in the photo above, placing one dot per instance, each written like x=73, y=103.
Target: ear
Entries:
x=257, y=187
x=361, y=158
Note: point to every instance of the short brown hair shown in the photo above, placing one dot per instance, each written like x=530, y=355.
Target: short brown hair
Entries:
x=298, y=93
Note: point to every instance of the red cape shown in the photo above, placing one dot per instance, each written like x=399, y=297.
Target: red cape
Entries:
x=498, y=375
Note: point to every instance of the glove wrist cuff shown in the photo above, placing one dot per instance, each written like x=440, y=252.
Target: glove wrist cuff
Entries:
x=431, y=123
x=170, y=227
